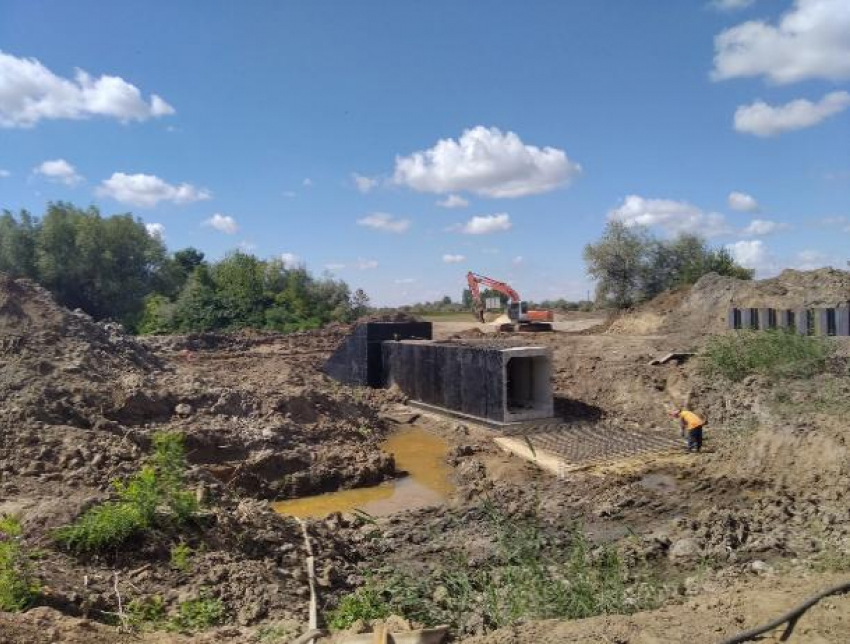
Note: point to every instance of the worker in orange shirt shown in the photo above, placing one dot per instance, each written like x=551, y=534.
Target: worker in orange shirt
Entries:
x=692, y=425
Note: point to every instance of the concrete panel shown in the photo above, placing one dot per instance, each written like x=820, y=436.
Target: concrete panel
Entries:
x=786, y=319
x=500, y=385
x=767, y=320
x=843, y=321
x=802, y=321
x=748, y=319
x=359, y=360
x=733, y=318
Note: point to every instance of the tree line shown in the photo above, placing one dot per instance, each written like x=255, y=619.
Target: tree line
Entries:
x=113, y=268
x=630, y=265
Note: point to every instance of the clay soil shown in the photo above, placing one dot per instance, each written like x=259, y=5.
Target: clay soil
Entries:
x=734, y=536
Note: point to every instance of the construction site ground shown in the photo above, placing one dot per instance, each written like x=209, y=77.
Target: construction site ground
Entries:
x=735, y=535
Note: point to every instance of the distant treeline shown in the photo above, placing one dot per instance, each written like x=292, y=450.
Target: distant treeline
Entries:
x=112, y=268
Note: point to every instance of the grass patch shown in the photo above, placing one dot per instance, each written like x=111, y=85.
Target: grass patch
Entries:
x=153, y=496
x=181, y=555
x=778, y=354
x=18, y=586
x=525, y=579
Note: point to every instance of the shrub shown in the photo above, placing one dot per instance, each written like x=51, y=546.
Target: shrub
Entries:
x=18, y=587
x=180, y=555
x=366, y=603
x=147, y=613
x=158, y=484
x=778, y=354
x=198, y=614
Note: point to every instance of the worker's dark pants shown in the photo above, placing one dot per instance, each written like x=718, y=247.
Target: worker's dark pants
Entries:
x=695, y=439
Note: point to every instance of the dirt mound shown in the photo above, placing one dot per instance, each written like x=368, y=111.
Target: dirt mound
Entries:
x=61, y=366
x=703, y=308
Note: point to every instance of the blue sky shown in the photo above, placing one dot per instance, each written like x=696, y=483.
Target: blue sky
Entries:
x=330, y=131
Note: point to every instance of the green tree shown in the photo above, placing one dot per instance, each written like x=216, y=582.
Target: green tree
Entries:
x=618, y=264
x=359, y=303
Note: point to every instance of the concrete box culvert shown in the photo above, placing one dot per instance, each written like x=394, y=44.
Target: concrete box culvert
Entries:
x=496, y=384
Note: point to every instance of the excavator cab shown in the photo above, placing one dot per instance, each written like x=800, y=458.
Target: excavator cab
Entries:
x=518, y=311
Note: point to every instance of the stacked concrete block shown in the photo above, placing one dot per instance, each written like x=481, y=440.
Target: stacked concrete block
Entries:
x=766, y=318
x=496, y=384
x=359, y=361
x=747, y=319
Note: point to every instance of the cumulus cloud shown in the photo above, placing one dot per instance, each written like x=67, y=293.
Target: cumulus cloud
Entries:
x=752, y=254
x=485, y=224
x=674, y=217
x=384, y=222
x=448, y=258
x=307, y=183
x=764, y=120
x=364, y=184
x=59, y=171
x=453, y=201
x=516, y=261
x=809, y=41
x=334, y=266
x=487, y=162
x=731, y=5
x=4, y=173
x=764, y=227
x=223, y=223
x=405, y=280
x=156, y=230
x=29, y=93
x=146, y=190
x=743, y=202
x=810, y=259
x=367, y=264
x=290, y=260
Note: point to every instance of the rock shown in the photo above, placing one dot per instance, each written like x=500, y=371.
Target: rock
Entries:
x=183, y=409
x=760, y=568
x=683, y=549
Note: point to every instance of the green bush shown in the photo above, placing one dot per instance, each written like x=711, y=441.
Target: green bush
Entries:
x=18, y=587
x=158, y=485
x=778, y=354
x=197, y=614
x=365, y=603
x=180, y=557
x=147, y=613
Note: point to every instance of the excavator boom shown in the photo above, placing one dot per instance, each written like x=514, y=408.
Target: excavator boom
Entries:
x=521, y=317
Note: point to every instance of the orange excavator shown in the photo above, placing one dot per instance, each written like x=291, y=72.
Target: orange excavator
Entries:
x=520, y=318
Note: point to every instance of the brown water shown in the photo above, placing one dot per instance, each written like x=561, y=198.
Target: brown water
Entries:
x=421, y=454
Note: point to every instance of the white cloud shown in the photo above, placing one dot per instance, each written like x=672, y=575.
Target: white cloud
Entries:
x=732, y=5
x=29, y=92
x=4, y=173
x=809, y=259
x=59, y=171
x=405, y=280
x=448, y=258
x=764, y=227
x=743, y=202
x=156, y=230
x=809, y=41
x=307, y=183
x=516, y=261
x=146, y=190
x=674, y=217
x=453, y=201
x=385, y=222
x=487, y=162
x=289, y=193
x=223, y=223
x=290, y=260
x=762, y=119
x=485, y=224
x=752, y=254
x=367, y=264
x=364, y=184
x=334, y=266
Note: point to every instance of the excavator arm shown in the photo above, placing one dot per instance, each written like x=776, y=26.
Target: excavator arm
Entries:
x=474, y=279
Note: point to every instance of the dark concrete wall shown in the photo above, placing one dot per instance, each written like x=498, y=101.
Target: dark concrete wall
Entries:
x=359, y=360
x=813, y=321
x=465, y=379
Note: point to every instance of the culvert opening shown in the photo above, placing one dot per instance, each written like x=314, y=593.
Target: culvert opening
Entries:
x=528, y=388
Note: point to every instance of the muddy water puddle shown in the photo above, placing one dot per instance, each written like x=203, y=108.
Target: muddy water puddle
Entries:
x=428, y=482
